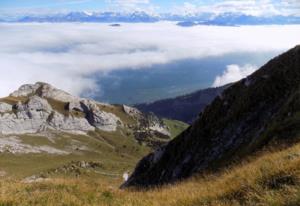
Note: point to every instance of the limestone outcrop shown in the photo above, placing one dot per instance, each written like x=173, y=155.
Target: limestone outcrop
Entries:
x=39, y=107
x=44, y=90
x=37, y=115
x=4, y=107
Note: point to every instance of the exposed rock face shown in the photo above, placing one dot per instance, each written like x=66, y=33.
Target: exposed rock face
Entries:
x=157, y=125
x=44, y=90
x=22, y=122
x=28, y=118
x=105, y=121
x=132, y=111
x=151, y=126
x=38, y=104
x=69, y=124
x=5, y=107
x=26, y=90
x=254, y=111
x=42, y=107
x=147, y=121
x=100, y=119
x=37, y=115
x=47, y=91
x=75, y=105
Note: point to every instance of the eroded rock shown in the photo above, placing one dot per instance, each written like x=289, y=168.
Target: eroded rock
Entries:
x=44, y=90
x=4, y=107
x=39, y=104
x=69, y=123
x=132, y=111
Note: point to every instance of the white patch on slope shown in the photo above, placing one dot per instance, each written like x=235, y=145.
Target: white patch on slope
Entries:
x=14, y=145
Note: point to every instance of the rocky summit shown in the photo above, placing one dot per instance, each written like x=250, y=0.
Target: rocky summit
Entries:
x=260, y=110
x=40, y=107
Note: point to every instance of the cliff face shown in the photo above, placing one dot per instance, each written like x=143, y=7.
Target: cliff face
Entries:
x=261, y=108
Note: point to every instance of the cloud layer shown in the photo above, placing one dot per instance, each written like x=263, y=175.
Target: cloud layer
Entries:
x=67, y=55
x=234, y=73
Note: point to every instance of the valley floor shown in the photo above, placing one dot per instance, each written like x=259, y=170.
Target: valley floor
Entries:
x=269, y=178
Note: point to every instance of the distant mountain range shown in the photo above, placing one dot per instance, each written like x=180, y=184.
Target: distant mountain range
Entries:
x=92, y=17
x=230, y=19
x=184, y=108
x=225, y=19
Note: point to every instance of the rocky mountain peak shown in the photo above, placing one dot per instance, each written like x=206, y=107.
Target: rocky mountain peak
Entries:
x=44, y=90
x=251, y=113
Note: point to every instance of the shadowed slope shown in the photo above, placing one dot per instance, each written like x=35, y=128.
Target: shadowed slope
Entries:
x=183, y=108
x=254, y=111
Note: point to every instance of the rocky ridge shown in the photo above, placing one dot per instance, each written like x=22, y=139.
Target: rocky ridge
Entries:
x=35, y=108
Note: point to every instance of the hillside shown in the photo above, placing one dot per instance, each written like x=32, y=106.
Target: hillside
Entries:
x=43, y=128
x=184, y=108
x=267, y=178
x=258, y=110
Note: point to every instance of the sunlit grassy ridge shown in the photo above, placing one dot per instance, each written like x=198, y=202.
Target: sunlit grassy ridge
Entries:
x=268, y=178
x=176, y=127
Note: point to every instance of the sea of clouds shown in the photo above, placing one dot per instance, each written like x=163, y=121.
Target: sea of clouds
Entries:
x=68, y=55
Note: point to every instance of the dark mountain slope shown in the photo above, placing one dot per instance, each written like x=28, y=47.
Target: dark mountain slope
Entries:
x=184, y=108
x=254, y=111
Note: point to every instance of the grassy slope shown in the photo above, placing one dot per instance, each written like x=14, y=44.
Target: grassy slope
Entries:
x=175, y=127
x=117, y=151
x=269, y=178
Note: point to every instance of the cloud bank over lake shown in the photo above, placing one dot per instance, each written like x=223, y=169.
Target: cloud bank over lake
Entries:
x=68, y=55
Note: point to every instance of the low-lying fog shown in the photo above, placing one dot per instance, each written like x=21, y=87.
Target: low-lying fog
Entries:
x=135, y=62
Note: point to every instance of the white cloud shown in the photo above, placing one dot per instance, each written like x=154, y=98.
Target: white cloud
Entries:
x=234, y=73
x=68, y=55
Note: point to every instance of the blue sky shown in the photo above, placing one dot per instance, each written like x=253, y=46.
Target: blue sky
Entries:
x=255, y=7
x=88, y=4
